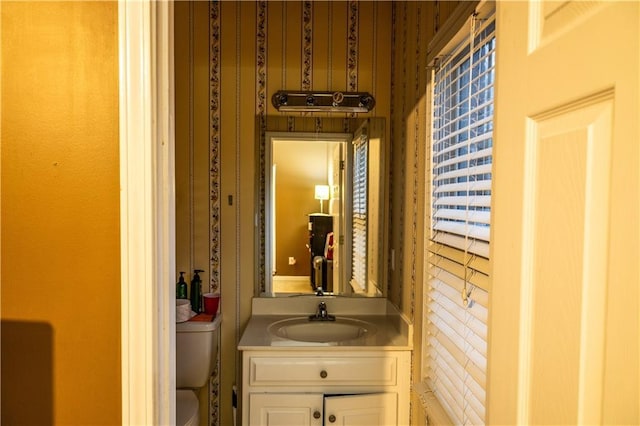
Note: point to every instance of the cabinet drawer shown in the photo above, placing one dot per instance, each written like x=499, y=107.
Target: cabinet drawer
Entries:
x=348, y=371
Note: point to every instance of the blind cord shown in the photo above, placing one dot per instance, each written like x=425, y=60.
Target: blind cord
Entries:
x=465, y=292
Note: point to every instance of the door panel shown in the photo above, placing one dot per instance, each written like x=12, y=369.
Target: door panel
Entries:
x=285, y=409
x=564, y=307
x=569, y=184
x=361, y=410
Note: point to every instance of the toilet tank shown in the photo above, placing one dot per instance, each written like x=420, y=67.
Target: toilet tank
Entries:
x=196, y=352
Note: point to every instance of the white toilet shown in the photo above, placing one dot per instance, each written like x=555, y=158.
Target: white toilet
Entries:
x=196, y=351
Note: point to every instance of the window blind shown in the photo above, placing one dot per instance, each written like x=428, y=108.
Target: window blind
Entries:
x=457, y=255
x=359, y=219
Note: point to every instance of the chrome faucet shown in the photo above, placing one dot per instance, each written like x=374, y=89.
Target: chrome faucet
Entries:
x=322, y=310
x=322, y=314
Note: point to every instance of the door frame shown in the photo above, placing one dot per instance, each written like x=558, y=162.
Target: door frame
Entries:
x=147, y=211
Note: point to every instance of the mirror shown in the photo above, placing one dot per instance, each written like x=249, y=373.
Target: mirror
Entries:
x=324, y=196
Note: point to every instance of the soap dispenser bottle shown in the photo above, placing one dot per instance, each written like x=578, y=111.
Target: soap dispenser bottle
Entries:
x=181, y=288
x=196, y=292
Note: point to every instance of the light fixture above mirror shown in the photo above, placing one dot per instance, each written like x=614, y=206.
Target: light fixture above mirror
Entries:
x=301, y=101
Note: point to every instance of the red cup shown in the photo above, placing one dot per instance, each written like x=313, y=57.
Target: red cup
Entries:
x=211, y=303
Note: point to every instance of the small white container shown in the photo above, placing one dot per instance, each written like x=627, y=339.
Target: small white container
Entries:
x=183, y=310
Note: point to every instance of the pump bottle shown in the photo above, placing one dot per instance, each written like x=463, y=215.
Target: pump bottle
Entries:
x=181, y=288
x=196, y=292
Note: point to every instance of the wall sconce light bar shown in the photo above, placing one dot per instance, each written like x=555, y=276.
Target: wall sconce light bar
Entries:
x=300, y=101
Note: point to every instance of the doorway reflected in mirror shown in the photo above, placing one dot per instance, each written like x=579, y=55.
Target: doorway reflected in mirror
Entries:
x=306, y=205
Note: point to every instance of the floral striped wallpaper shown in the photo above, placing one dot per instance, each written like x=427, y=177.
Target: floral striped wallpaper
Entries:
x=257, y=47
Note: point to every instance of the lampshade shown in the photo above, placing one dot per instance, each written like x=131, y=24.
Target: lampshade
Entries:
x=322, y=192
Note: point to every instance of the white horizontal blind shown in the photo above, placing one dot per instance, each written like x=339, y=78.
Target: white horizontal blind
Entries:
x=359, y=219
x=457, y=279
x=462, y=144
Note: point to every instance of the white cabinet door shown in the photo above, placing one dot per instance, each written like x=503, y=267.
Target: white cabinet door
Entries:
x=361, y=410
x=564, y=345
x=278, y=409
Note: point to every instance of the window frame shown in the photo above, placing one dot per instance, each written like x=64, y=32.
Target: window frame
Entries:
x=456, y=34
x=359, y=213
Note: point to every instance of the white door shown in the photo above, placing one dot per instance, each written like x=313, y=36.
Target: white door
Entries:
x=285, y=409
x=336, y=209
x=361, y=410
x=564, y=327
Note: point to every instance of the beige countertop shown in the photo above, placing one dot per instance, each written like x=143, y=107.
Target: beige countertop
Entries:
x=391, y=331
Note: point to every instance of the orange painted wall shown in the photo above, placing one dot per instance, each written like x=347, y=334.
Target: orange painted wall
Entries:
x=60, y=213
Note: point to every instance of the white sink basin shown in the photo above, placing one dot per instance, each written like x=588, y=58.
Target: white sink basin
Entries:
x=303, y=330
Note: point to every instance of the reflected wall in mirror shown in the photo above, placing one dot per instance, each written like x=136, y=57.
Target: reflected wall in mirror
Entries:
x=333, y=244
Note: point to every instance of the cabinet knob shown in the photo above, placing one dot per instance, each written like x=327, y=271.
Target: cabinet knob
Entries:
x=323, y=374
x=316, y=414
x=332, y=419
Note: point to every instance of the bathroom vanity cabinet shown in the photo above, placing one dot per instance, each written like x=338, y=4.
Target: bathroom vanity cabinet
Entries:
x=325, y=387
x=323, y=373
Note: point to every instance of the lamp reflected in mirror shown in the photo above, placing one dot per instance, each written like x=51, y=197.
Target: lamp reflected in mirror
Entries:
x=322, y=193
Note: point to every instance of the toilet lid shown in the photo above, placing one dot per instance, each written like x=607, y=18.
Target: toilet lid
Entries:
x=186, y=408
